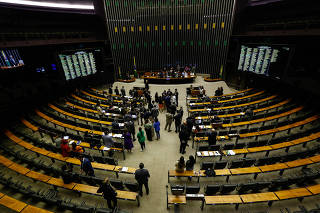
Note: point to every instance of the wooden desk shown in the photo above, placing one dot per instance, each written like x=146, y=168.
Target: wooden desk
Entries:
x=273, y=167
x=314, y=189
x=236, y=151
x=5, y=161
x=222, y=199
x=12, y=203
x=258, y=197
x=259, y=149
x=300, y=162
x=56, y=156
x=30, y=125
x=281, y=145
x=173, y=199
x=126, y=195
x=88, y=102
x=129, y=171
x=292, y=193
x=33, y=209
x=174, y=173
x=222, y=172
x=26, y=145
x=102, y=166
x=247, y=170
x=40, y=151
x=19, y=169
x=59, y=182
x=38, y=176
x=315, y=159
x=87, y=189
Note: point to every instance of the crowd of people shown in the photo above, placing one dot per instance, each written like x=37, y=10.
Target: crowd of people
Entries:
x=142, y=108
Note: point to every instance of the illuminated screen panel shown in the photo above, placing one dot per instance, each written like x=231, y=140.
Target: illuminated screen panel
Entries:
x=10, y=58
x=77, y=64
x=263, y=60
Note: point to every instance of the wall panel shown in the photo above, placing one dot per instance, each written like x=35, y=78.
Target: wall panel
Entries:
x=161, y=32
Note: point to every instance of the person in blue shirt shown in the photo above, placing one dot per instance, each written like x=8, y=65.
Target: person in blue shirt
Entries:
x=156, y=126
x=86, y=166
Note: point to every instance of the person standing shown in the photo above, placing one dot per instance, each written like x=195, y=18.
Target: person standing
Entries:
x=141, y=139
x=156, y=97
x=169, y=118
x=108, y=193
x=142, y=175
x=110, y=90
x=183, y=136
x=148, y=129
x=86, y=166
x=123, y=91
x=177, y=121
x=156, y=126
x=212, y=137
x=116, y=90
x=128, y=145
x=176, y=93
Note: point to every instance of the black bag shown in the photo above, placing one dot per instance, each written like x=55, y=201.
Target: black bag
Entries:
x=210, y=173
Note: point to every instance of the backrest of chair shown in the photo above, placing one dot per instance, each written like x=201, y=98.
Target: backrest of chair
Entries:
x=236, y=164
x=192, y=189
x=212, y=189
x=206, y=165
x=227, y=188
x=220, y=164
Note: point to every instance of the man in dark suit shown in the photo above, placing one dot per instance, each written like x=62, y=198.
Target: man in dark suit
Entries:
x=108, y=193
x=142, y=175
x=212, y=137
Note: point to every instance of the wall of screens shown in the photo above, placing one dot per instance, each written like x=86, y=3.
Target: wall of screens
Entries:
x=80, y=63
x=263, y=60
x=10, y=58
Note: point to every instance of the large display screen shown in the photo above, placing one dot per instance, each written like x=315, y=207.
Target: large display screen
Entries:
x=10, y=58
x=79, y=63
x=264, y=60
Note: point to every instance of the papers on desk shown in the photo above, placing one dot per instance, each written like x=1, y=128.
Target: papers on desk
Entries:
x=115, y=135
x=106, y=149
x=70, y=142
x=199, y=154
x=223, y=137
x=121, y=124
x=134, y=116
x=230, y=152
x=205, y=153
x=195, y=195
x=232, y=135
x=124, y=169
x=242, y=113
x=208, y=109
x=216, y=153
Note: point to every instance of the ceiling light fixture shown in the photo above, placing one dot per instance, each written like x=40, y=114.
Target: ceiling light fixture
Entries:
x=49, y=4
